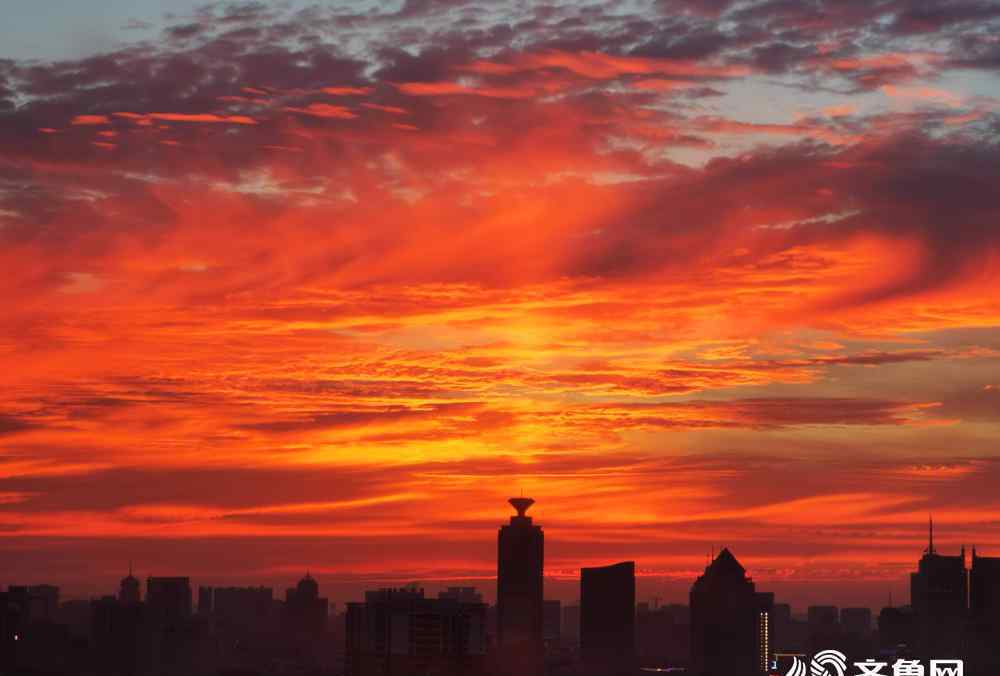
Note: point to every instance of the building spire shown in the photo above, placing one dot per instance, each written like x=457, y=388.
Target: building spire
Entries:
x=930, y=530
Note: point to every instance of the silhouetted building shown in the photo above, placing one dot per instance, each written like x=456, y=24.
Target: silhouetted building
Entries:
x=552, y=621
x=172, y=635
x=663, y=636
x=129, y=592
x=789, y=635
x=724, y=620
x=856, y=640
x=305, y=611
x=399, y=632
x=461, y=594
x=984, y=587
x=248, y=609
x=75, y=615
x=781, y=613
x=824, y=627
x=897, y=628
x=984, y=614
x=823, y=618
x=122, y=645
x=205, y=600
x=938, y=594
x=168, y=599
x=37, y=603
x=571, y=623
x=520, y=615
x=29, y=640
x=856, y=621
x=607, y=618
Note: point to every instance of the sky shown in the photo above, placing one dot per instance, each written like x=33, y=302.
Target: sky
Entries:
x=297, y=287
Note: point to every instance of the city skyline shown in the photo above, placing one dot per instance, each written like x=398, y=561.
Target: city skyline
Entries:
x=302, y=285
x=730, y=625
x=556, y=587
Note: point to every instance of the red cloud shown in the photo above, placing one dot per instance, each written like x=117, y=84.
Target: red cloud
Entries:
x=324, y=110
x=603, y=66
x=453, y=88
x=346, y=91
x=140, y=118
x=85, y=120
x=395, y=110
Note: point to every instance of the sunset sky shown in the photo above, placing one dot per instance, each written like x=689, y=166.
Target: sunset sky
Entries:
x=291, y=286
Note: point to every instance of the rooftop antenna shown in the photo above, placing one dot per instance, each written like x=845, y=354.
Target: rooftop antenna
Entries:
x=930, y=528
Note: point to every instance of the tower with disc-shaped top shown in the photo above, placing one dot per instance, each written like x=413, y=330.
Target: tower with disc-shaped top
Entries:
x=520, y=559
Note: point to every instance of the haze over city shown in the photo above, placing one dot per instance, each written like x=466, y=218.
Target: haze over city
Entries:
x=298, y=287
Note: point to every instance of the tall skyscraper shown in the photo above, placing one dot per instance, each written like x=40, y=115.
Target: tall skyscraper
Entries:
x=938, y=593
x=607, y=618
x=520, y=614
x=984, y=587
x=128, y=589
x=725, y=613
x=168, y=614
x=984, y=614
